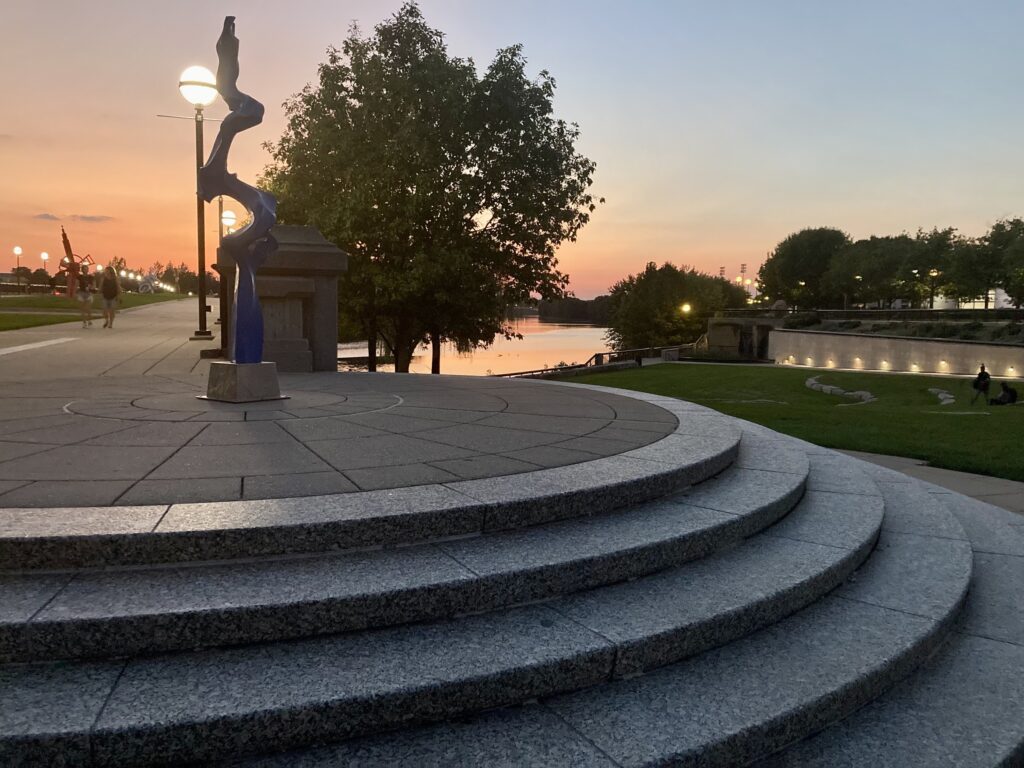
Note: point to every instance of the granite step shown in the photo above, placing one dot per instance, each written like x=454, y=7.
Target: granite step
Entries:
x=702, y=445
x=738, y=702
x=965, y=706
x=207, y=705
x=146, y=609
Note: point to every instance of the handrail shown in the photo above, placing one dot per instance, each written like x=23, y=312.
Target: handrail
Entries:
x=615, y=356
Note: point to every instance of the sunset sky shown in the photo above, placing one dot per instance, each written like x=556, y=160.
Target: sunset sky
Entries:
x=718, y=127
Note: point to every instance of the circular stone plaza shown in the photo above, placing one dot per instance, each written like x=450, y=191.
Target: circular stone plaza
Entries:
x=402, y=570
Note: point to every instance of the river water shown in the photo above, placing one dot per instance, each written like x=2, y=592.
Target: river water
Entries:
x=543, y=345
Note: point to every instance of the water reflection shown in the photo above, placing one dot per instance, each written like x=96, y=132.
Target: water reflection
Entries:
x=543, y=345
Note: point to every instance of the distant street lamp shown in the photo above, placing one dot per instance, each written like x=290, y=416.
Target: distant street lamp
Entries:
x=686, y=309
x=228, y=219
x=199, y=88
x=17, y=269
x=932, y=274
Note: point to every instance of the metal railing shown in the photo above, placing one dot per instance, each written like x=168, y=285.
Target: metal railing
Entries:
x=599, y=359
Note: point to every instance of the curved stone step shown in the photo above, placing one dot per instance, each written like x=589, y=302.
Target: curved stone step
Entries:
x=150, y=609
x=736, y=703
x=211, y=704
x=965, y=706
x=702, y=446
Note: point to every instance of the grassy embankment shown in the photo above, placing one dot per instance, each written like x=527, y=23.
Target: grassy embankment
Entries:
x=18, y=317
x=905, y=420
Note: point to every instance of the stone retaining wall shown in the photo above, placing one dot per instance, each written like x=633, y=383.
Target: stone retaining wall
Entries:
x=820, y=349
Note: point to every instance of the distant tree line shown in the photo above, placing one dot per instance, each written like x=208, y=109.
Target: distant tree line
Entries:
x=667, y=305
x=824, y=269
x=595, y=311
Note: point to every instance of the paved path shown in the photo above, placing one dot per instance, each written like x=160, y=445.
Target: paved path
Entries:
x=95, y=417
x=1007, y=494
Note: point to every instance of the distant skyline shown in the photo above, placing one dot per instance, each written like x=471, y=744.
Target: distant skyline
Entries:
x=717, y=128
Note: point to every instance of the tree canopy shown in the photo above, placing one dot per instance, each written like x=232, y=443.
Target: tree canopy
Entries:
x=822, y=268
x=647, y=309
x=450, y=191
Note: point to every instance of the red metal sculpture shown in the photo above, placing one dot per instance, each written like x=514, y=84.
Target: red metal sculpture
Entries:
x=71, y=264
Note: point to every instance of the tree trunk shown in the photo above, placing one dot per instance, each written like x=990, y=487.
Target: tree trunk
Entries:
x=403, y=355
x=435, y=353
x=371, y=345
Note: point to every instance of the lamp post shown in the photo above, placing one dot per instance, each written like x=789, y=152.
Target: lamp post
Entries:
x=199, y=88
x=228, y=219
x=17, y=269
x=932, y=274
x=45, y=257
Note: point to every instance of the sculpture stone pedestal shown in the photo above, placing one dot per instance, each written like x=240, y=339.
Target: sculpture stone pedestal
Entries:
x=242, y=382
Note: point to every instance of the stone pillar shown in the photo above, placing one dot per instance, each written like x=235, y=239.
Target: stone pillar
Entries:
x=298, y=291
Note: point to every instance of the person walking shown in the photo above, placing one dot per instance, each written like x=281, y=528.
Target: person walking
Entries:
x=84, y=289
x=981, y=384
x=110, y=288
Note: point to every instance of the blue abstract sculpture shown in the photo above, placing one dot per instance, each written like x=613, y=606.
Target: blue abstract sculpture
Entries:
x=251, y=245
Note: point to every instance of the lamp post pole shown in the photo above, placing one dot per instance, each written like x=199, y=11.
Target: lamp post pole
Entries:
x=202, y=333
x=17, y=269
x=199, y=88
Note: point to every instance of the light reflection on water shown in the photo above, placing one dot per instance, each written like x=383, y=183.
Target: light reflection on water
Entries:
x=543, y=345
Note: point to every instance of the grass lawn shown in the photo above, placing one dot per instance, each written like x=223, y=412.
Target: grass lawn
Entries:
x=16, y=320
x=906, y=420
x=39, y=301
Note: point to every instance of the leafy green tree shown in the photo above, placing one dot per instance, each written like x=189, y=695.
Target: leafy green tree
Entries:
x=646, y=310
x=796, y=269
x=40, y=277
x=1003, y=258
x=878, y=264
x=927, y=262
x=450, y=191
x=964, y=279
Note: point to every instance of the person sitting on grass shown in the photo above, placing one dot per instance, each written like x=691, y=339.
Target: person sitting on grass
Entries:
x=981, y=382
x=1007, y=397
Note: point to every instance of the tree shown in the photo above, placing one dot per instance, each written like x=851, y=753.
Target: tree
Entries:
x=795, y=270
x=1003, y=258
x=40, y=277
x=963, y=279
x=449, y=191
x=22, y=275
x=646, y=310
x=873, y=269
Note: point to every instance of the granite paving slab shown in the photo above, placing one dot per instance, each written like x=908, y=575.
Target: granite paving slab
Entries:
x=65, y=493
x=995, y=607
x=508, y=738
x=178, y=492
x=99, y=462
x=201, y=706
x=965, y=706
x=833, y=519
x=732, y=704
x=961, y=709
x=377, y=478
x=305, y=484
x=48, y=711
x=197, y=461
